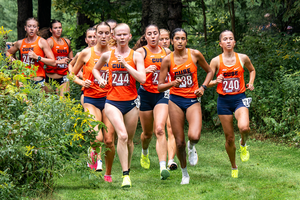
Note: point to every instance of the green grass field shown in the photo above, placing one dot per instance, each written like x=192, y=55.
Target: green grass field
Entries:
x=272, y=172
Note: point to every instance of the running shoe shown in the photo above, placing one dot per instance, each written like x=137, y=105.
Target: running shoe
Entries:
x=235, y=173
x=107, y=178
x=164, y=174
x=244, y=153
x=126, y=182
x=99, y=166
x=93, y=156
x=193, y=156
x=145, y=162
x=185, y=180
x=172, y=166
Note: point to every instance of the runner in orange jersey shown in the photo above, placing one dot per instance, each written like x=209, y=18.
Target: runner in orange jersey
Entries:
x=229, y=68
x=121, y=107
x=184, y=96
x=154, y=105
x=164, y=41
x=90, y=40
x=34, y=50
x=63, y=53
x=94, y=96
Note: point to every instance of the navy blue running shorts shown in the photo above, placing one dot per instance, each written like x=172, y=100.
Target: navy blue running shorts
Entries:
x=182, y=102
x=124, y=106
x=97, y=102
x=150, y=100
x=228, y=104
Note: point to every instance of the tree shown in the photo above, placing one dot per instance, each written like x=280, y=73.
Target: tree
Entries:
x=204, y=20
x=175, y=14
x=24, y=12
x=44, y=13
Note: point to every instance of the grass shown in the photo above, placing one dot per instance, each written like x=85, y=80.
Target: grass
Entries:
x=271, y=173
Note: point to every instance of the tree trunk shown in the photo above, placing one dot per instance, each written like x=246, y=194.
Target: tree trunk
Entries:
x=233, y=18
x=232, y=15
x=81, y=20
x=24, y=12
x=164, y=14
x=204, y=20
x=175, y=14
x=154, y=12
x=44, y=13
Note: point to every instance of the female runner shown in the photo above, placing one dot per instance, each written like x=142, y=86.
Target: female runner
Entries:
x=62, y=53
x=154, y=105
x=184, y=90
x=229, y=68
x=34, y=50
x=90, y=40
x=164, y=41
x=121, y=107
x=94, y=96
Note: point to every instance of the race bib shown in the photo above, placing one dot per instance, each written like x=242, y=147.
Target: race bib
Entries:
x=155, y=76
x=231, y=85
x=27, y=60
x=247, y=101
x=120, y=78
x=103, y=74
x=167, y=94
x=61, y=66
x=186, y=80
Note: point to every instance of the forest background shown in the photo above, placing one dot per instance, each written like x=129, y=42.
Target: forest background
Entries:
x=266, y=30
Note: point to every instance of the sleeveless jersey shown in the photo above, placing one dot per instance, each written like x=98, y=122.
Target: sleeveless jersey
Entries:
x=233, y=82
x=123, y=87
x=94, y=90
x=60, y=52
x=26, y=48
x=187, y=72
x=152, y=78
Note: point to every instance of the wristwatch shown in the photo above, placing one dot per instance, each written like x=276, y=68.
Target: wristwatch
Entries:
x=204, y=87
x=39, y=58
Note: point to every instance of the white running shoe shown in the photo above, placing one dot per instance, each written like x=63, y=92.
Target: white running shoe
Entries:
x=185, y=180
x=193, y=156
x=99, y=166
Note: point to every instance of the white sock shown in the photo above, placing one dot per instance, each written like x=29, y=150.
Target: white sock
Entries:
x=184, y=172
x=145, y=152
x=191, y=145
x=162, y=165
x=170, y=161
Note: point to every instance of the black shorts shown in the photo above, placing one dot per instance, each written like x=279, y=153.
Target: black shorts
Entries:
x=150, y=100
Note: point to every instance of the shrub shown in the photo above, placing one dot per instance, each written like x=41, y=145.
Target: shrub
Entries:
x=42, y=135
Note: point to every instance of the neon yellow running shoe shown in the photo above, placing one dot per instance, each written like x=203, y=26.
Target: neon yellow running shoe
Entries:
x=126, y=182
x=145, y=162
x=235, y=173
x=164, y=174
x=244, y=153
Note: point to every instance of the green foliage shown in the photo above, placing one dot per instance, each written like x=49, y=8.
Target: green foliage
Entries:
x=42, y=135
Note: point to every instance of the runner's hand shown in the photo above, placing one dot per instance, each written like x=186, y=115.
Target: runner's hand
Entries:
x=151, y=69
x=220, y=78
x=32, y=55
x=250, y=87
x=122, y=60
x=102, y=83
x=177, y=82
x=86, y=83
x=199, y=92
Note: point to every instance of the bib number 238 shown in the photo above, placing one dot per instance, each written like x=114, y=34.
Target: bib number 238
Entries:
x=120, y=78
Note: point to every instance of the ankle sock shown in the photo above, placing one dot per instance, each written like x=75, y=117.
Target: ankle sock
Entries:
x=125, y=173
x=162, y=165
x=145, y=152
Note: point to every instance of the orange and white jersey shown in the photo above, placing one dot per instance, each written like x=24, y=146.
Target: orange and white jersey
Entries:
x=26, y=48
x=60, y=52
x=233, y=82
x=122, y=84
x=187, y=72
x=94, y=90
x=153, y=59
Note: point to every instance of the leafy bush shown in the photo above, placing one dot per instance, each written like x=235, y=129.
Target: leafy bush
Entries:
x=42, y=135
